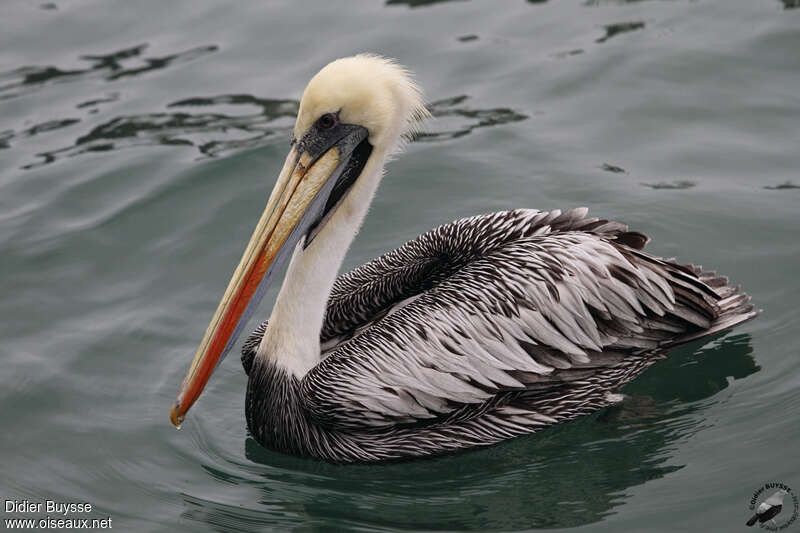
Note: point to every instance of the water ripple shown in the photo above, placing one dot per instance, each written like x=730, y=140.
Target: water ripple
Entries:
x=184, y=128
x=92, y=104
x=220, y=129
x=613, y=168
x=417, y=3
x=782, y=186
x=620, y=27
x=671, y=185
x=48, y=125
x=462, y=120
x=618, y=448
x=593, y=3
x=110, y=67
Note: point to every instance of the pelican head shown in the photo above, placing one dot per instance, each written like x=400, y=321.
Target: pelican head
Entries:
x=353, y=115
x=365, y=90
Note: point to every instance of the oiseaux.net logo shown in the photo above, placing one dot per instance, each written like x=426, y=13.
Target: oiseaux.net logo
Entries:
x=774, y=507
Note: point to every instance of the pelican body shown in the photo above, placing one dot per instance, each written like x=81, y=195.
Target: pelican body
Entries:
x=478, y=331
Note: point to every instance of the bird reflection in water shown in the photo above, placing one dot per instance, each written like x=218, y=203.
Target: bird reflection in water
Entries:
x=585, y=466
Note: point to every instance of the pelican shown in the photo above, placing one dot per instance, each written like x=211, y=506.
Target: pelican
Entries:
x=475, y=332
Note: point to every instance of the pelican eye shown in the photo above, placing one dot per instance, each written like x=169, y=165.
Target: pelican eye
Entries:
x=327, y=121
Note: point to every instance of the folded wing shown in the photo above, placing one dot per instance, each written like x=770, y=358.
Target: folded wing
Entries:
x=516, y=300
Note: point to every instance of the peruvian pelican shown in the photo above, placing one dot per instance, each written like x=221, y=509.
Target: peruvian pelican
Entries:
x=480, y=330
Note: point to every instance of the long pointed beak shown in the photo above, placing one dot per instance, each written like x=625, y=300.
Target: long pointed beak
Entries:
x=296, y=205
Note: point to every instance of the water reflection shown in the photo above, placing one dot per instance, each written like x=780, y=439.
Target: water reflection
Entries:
x=670, y=185
x=260, y=121
x=213, y=126
x=613, y=168
x=790, y=4
x=94, y=103
x=120, y=64
x=226, y=518
x=459, y=120
x=569, y=53
x=591, y=3
x=569, y=475
x=419, y=3
x=621, y=27
x=782, y=186
x=423, y=3
x=49, y=125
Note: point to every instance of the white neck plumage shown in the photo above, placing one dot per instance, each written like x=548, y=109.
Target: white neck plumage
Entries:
x=292, y=337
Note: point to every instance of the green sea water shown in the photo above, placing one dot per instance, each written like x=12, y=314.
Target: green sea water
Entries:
x=139, y=142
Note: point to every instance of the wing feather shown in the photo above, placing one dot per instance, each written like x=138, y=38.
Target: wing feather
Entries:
x=509, y=301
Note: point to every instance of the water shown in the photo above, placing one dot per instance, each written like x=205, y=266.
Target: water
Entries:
x=138, y=143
